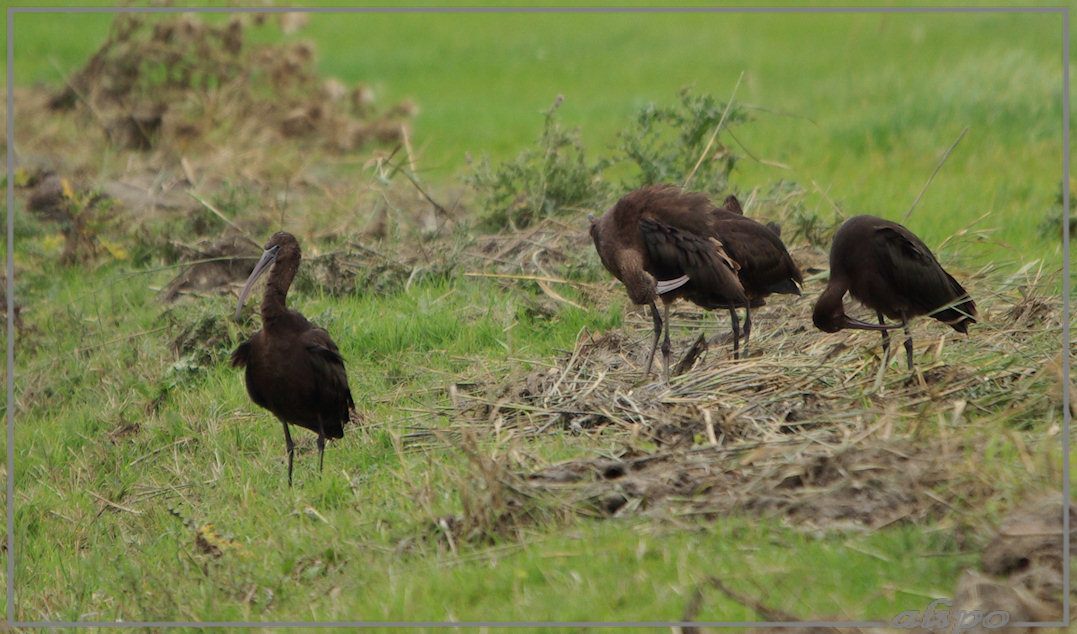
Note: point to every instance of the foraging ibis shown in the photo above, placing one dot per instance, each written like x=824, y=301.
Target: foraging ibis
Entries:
x=891, y=271
x=293, y=367
x=656, y=241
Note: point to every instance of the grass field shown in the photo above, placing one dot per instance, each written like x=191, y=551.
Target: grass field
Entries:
x=150, y=488
x=846, y=99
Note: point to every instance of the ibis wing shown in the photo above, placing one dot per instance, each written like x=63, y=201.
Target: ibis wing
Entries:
x=765, y=262
x=241, y=355
x=330, y=379
x=674, y=252
x=912, y=270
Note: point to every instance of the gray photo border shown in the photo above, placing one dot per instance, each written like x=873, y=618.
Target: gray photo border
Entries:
x=12, y=11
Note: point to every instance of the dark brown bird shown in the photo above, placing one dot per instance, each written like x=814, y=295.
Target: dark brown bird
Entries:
x=765, y=266
x=732, y=203
x=659, y=243
x=293, y=368
x=891, y=271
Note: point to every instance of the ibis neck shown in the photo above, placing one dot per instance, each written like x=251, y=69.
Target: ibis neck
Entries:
x=829, y=313
x=274, y=303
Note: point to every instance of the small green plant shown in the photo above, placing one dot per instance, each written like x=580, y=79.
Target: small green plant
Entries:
x=666, y=142
x=549, y=180
x=86, y=215
x=798, y=222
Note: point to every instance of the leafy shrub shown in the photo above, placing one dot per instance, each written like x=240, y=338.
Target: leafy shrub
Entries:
x=552, y=179
x=665, y=143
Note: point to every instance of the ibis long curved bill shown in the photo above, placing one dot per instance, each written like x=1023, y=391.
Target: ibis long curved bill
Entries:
x=266, y=261
x=853, y=322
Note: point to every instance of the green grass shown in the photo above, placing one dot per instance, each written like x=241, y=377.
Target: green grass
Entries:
x=359, y=541
x=856, y=118
x=859, y=106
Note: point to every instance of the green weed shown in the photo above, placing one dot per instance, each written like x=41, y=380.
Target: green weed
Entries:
x=665, y=143
x=550, y=180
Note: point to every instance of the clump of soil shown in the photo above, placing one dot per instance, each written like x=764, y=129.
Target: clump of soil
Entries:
x=216, y=264
x=82, y=214
x=201, y=341
x=359, y=270
x=1027, y=549
x=1021, y=578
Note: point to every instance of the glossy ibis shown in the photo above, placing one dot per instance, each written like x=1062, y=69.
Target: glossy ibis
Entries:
x=765, y=266
x=891, y=271
x=657, y=242
x=293, y=367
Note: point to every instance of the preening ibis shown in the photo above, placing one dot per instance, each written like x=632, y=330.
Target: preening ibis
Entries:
x=658, y=242
x=293, y=367
x=891, y=271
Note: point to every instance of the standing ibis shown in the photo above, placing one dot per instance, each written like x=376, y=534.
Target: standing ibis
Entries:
x=765, y=265
x=658, y=243
x=891, y=271
x=293, y=367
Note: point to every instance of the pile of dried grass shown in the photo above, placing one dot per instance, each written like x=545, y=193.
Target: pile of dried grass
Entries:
x=808, y=427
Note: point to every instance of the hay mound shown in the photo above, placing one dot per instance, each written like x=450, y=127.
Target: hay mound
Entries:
x=869, y=485
x=808, y=428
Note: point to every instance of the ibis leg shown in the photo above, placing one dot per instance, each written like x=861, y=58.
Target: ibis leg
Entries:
x=908, y=340
x=886, y=338
x=736, y=331
x=666, y=347
x=291, y=449
x=657, y=333
x=747, y=326
x=321, y=444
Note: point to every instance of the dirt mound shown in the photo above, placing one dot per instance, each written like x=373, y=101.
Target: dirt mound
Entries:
x=207, y=132
x=216, y=265
x=171, y=82
x=1027, y=551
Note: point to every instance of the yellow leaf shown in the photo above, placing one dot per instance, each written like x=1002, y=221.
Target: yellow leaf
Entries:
x=115, y=250
x=69, y=192
x=54, y=241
